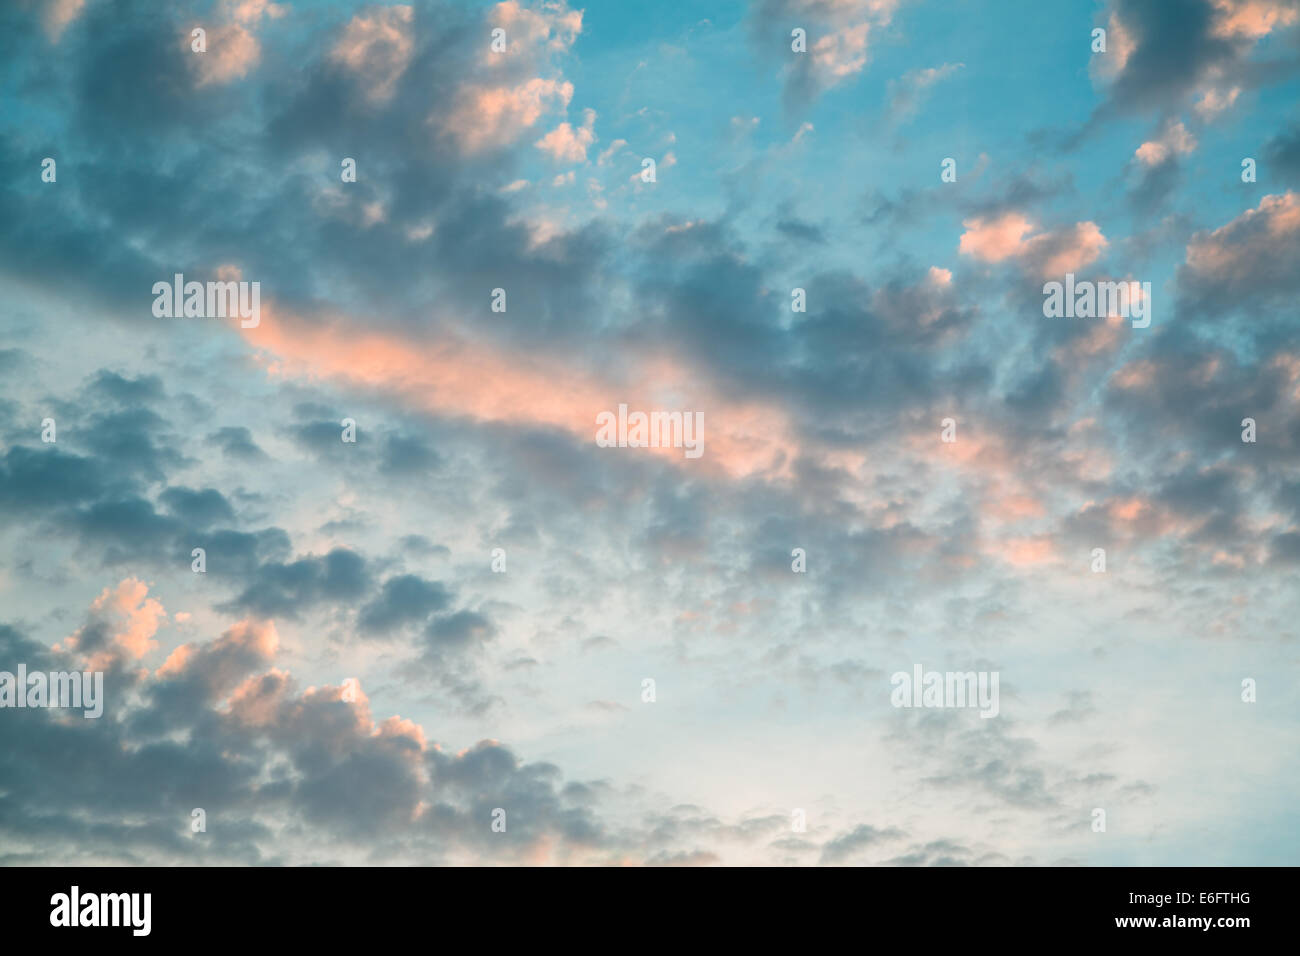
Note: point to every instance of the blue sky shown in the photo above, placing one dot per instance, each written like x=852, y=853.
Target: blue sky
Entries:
x=350, y=679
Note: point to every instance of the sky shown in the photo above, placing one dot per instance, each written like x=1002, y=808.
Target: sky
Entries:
x=476, y=634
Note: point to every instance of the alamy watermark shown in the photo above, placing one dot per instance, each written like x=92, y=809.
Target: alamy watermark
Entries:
x=653, y=430
x=211, y=300
x=946, y=689
x=1090, y=300
x=60, y=689
x=103, y=909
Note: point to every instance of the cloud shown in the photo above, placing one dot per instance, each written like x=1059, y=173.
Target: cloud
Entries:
x=404, y=599
x=1160, y=54
x=237, y=442
x=1282, y=152
x=214, y=669
x=1119, y=47
x=58, y=15
x=837, y=41
x=288, y=589
x=1253, y=18
x=997, y=239
x=121, y=628
x=476, y=432
x=1173, y=141
x=487, y=118
x=488, y=114
x=459, y=630
x=458, y=377
x=843, y=848
x=841, y=54
x=1247, y=260
x=908, y=92
x=607, y=154
x=801, y=231
x=552, y=25
x=198, y=508
x=1012, y=236
x=564, y=144
x=232, y=48
x=354, y=777
x=377, y=46
x=1214, y=101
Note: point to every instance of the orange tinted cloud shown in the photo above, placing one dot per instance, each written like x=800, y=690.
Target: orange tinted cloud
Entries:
x=1234, y=248
x=134, y=617
x=459, y=378
x=489, y=117
x=1119, y=47
x=993, y=240
x=58, y=14
x=377, y=47
x=1099, y=338
x=552, y=26
x=232, y=48
x=1173, y=140
x=1024, y=552
x=1068, y=250
x=1138, y=374
x=565, y=144
x=1011, y=236
x=247, y=640
x=841, y=54
x=1015, y=507
x=1252, y=18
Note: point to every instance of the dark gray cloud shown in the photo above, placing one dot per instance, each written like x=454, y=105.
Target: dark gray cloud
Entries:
x=237, y=442
x=404, y=599
x=309, y=761
x=459, y=630
x=1155, y=184
x=198, y=508
x=289, y=588
x=407, y=456
x=800, y=231
x=1175, y=49
x=1282, y=155
x=1246, y=264
x=846, y=847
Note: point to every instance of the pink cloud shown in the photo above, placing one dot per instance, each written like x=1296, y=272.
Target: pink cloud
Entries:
x=1024, y=552
x=506, y=93
x=993, y=240
x=221, y=663
x=1067, y=250
x=838, y=33
x=1011, y=236
x=58, y=15
x=552, y=25
x=495, y=116
x=568, y=145
x=457, y=377
x=339, y=715
x=1011, y=508
x=841, y=54
x=1252, y=19
x=377, y=46
x=1214, y=101
x=1119, y=47
x=1174, y=140
x=1238, y=246
x=1135, y=375
x=232, y=47
x=133, y=618
x=1098, y=338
